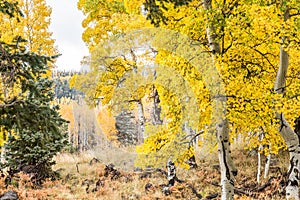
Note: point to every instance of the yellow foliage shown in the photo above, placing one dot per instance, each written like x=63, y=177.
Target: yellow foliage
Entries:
x=34, y=27
x=249, y=34
x=107, y=124
x=66, y=111
x=109, y=17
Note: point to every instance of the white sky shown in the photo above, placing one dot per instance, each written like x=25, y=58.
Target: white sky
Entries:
x=67, y=30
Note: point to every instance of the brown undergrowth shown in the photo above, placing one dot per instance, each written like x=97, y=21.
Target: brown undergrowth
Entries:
x=83, y=177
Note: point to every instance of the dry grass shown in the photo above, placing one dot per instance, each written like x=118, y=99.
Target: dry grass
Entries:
x=79, y=178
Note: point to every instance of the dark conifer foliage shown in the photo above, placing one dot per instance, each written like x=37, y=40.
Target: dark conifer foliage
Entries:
x=28, y=115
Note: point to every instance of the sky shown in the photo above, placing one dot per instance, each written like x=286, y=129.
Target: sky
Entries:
x=67, y=30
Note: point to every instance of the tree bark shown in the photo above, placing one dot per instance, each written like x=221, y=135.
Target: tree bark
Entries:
x=141, y=122
x=267, y=166
x=258, y=164
x=289, y=135
x=228, y=170
x=156, y=108
x=260, y=148
x=283, y=62
x=210, y=31
x=292, y=141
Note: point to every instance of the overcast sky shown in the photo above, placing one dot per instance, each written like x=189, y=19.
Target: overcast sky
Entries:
x=66, y=27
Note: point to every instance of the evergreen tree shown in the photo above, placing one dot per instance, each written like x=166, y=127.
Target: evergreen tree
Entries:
x=34, y=127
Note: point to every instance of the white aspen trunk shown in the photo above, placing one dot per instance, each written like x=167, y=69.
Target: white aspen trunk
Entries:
x=267, y=166
x=210, y=31
x=258, y=164
x=141, y=122
x=290, y=137
x=260, y=148
x=228, y=170
x=279, y=85
x=292, y=141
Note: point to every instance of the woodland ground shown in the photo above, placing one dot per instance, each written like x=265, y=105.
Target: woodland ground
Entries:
x=83, y=179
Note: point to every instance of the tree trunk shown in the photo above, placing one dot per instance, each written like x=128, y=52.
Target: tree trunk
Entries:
x=260, y=148
x=156, y=109
x=228, y=170
x=141, y=122
x=292, y=141
x=290, y=137
x=210, y=31
x=258, y=164
x=267, y=166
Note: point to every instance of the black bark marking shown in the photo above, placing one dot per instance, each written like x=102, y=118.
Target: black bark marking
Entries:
x=225, y=162
x=296, y=171
x=234, y=172
x=282, y=124
x=297, y=127
x=192, y=162
x=171, y=182
x=292, y=166
x=294, y=183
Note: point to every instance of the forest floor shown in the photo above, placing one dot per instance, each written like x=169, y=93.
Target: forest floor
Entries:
x=82, y=177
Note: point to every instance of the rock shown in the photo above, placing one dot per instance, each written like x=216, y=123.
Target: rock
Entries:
x=10, y=195
x=112, y=172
